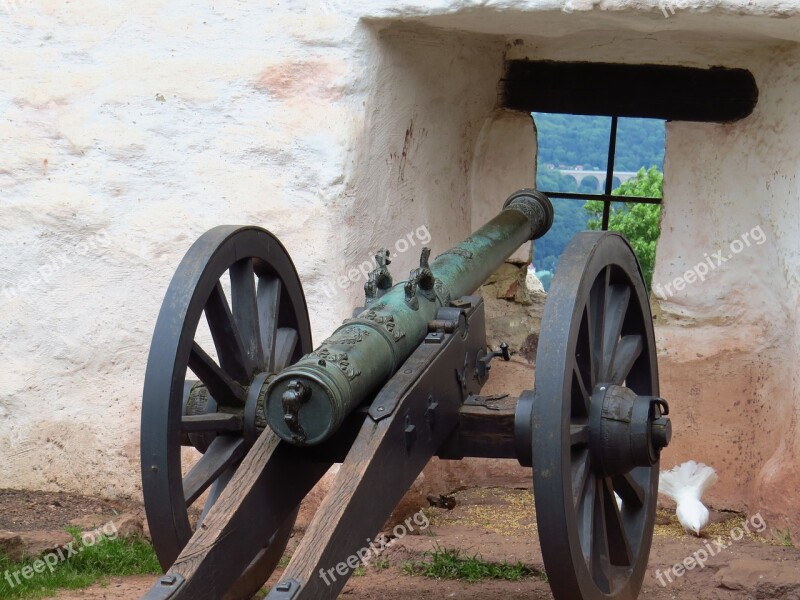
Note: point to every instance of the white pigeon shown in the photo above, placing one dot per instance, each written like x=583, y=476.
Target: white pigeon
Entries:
x=686, y=484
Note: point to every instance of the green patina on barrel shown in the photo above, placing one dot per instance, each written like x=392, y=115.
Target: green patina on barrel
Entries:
x=349, y=367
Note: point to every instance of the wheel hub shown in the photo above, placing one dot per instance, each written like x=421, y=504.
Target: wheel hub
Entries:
x=626, y=430
x=198, y=401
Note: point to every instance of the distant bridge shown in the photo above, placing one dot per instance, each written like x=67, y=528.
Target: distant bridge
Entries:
x=596, y=180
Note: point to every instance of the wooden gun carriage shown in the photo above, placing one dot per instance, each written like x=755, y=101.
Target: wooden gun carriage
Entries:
x=391, y=388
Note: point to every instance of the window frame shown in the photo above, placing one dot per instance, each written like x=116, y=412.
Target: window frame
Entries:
x=606, y=196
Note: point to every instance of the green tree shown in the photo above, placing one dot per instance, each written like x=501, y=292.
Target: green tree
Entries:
x=640, y=223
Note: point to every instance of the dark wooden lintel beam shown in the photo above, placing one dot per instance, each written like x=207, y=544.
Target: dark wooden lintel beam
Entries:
x=678, y=93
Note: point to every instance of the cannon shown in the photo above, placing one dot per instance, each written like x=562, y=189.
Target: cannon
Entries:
x=232, y=375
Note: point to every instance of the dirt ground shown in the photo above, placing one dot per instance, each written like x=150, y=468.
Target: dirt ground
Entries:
x=42, y=511
x=498, y=524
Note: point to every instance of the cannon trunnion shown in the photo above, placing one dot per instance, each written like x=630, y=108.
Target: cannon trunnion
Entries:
x=232, y=374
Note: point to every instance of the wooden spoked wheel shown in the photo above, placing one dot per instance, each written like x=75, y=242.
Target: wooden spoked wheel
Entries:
x=595, y=518
x=203, y=392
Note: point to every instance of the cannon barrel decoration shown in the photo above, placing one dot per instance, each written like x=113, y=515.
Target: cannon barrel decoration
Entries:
x=232, y=375
x=308, y=401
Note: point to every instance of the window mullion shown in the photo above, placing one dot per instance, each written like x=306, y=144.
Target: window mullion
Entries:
x=612, y=149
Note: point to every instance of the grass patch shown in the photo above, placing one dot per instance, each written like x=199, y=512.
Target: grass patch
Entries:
x=284, y=561
x=783, y=537
x=443, y=563
x=107, y=558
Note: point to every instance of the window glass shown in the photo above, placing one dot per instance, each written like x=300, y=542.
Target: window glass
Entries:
x=573, y=159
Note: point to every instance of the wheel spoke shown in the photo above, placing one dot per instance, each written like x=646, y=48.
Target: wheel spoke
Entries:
x=223, y=452
x=211, y=422
x=601, y=564
x=221, y=387
x=617, y=298
x=232, y=357
x=629, y=349
x=580, y=396
x=188, y=386
x=216, y=489
x=269, y=297
x=578, y=435
x=580, y=474
x=285, y=343
x=629, y=490
x=595, y=312
x=585, y=516
x=619, y=547
x=245, y=309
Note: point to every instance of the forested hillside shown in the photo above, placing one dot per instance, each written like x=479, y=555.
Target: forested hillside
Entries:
x=567, y=141
x=570, y=140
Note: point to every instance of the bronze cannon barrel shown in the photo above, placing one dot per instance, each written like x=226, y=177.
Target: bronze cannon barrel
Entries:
x=307, y=402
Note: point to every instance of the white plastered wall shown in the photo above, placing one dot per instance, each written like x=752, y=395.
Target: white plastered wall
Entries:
x=343, y=127
x=729, y=343
x=504, y=161
x=130, y=132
